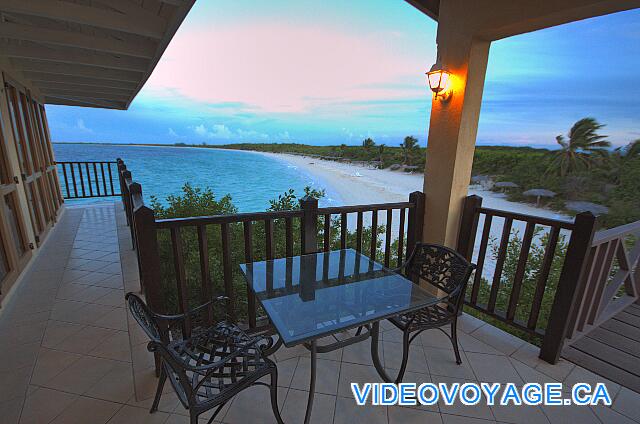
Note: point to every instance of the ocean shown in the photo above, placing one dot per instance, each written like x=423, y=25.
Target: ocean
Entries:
x=252, y=179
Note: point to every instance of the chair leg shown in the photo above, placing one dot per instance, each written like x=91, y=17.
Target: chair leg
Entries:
x=454, y=340
x=156, y=401
x=273, y=388
x=405, y=356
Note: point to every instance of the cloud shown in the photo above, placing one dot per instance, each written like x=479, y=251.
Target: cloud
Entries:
x=172, y=133
x=80, y=126
x=284, y=135
x=219, y=131
x=287, y=68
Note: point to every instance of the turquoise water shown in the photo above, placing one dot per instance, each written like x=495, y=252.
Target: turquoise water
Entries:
x=252, y=179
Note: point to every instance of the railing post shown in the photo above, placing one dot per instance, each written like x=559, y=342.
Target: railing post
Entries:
x=309, y=227
x=469, y=226
x=570, y=277
x=126, y=196
x=133, y=189
x=121, y=167
x=415, y=221
x=148, y=257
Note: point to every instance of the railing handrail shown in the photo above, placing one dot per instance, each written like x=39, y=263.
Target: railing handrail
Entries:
x=84, y=161
x=551, y=222
x=193, y=221
x=609, y=234
x=365, y=208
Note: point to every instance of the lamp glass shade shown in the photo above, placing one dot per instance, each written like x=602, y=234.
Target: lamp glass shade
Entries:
x=438, y=80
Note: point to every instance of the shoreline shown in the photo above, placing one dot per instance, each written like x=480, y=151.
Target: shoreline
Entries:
x=357, y=184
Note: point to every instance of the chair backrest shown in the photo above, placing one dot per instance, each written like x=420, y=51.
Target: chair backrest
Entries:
x=143, y=315
x=441, y=267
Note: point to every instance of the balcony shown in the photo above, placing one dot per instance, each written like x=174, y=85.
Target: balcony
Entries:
x=72, y=351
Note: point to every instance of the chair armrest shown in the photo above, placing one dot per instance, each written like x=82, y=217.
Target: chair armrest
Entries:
x=178, y=317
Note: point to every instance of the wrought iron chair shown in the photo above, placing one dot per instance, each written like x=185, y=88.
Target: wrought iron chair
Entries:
x=443, y=269
x=209, y=366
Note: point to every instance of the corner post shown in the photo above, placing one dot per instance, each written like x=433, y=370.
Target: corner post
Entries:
x=469, y=226
x=570, y=277
x=415, y=220
x=309, y=227
x=148, y=257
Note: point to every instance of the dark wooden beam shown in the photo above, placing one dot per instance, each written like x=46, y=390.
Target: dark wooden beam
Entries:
x=75, y=56
x=71, y=101
x=43, y=77
x=56, y=86
x=86, y=94
x=87, y=15
x=76, y=70
x=141, y=48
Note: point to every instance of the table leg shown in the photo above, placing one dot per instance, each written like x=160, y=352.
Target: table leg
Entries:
x=313, y=348
x=375, y=335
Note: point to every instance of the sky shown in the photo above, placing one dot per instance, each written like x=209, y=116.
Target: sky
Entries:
x=336, y=72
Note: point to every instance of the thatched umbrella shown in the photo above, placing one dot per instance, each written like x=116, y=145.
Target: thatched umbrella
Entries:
x=479, y=179
x=580, y=206
x=505, y=185
x=483, y=180
x=538, y=193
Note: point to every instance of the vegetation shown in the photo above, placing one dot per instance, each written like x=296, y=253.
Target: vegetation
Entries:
x=584, y=168
x=584, y=148
x=529, y=282
x=409, y=148
x=199, y=202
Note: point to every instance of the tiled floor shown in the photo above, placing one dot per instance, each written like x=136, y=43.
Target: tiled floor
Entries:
x=69, y=354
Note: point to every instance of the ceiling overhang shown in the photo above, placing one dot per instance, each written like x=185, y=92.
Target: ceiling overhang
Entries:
x=95, y=53
x=430, y=8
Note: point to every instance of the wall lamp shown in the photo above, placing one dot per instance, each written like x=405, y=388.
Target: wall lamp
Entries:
x=439, y=82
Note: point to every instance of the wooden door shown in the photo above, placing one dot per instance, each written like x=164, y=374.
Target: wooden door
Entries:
x=14, y=246
x=30, y=157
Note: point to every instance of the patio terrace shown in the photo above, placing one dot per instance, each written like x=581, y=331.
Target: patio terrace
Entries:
x=71, y=355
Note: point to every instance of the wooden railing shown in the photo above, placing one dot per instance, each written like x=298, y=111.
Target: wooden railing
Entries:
x=489, y=290
x=611, y=281
x=195, y=257
x=184, y=261
x=88, y=179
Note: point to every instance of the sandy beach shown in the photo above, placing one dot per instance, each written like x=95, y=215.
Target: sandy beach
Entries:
x=356, y=184
x=363, y=185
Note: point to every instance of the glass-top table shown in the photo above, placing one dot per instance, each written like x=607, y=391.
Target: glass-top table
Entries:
x=312, y=296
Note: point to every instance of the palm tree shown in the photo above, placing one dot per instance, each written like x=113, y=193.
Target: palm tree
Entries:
x=409, y=145
x=621, y=156
x=582, y=149
x=380, y=151
x=368, y=143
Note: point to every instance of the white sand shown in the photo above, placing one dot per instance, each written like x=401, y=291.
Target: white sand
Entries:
x=356, y=184
x=362, y=185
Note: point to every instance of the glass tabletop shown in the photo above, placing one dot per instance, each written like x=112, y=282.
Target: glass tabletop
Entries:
x=311, y=296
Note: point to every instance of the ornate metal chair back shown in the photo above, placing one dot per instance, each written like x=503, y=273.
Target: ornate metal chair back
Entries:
x=442, y=268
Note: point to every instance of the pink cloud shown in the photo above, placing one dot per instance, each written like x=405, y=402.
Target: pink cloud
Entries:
x=286, y=68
